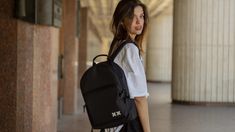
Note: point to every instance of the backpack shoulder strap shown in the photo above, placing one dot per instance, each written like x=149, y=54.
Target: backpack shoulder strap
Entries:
x=113, y=56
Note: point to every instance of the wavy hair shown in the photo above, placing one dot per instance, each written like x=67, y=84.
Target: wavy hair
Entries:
x=121, y=22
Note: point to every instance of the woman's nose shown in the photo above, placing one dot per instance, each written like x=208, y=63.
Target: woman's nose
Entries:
x=137, y=20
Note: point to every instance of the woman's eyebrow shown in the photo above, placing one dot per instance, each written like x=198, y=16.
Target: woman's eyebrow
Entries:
x=139, y=14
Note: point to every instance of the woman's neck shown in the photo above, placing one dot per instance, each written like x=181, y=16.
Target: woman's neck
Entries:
x=132, y=36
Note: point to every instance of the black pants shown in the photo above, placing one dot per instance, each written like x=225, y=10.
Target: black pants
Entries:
x=132, y=126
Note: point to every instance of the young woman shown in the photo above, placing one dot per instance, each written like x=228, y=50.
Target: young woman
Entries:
x=129, y=24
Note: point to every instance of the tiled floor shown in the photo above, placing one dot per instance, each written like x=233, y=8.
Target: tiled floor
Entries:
x=167, y=117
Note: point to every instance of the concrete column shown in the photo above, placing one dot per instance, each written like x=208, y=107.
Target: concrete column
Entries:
x=105, y=45
x=70, y=56
x=83, y=40
x=82, y=53
x=8, y=67
x=204, y=51
x=94, y=46
x=28, y=74
x=45, y=82
x=159, y=47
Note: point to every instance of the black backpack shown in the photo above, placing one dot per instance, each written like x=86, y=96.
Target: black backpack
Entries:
x=106, y=95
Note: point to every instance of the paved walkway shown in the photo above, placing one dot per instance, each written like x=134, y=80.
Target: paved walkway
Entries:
x=167, y=117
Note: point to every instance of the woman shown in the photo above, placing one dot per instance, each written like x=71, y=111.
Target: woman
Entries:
x=129, y=24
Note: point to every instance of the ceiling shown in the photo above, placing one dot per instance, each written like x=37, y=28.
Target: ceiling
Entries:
x=100, y=13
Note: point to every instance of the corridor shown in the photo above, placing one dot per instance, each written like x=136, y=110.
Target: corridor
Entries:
x=167, y=117
x=47, y=45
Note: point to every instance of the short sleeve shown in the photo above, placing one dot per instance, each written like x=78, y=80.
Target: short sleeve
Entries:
x=129, y=60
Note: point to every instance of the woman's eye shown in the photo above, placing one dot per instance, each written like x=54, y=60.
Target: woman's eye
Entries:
x=142, y=16
x=135, y=18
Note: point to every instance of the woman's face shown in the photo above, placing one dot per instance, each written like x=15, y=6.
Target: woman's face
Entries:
x=137, y=24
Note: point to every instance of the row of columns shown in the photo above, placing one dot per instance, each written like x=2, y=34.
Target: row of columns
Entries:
x=30, y=87
x=28, y=74
x=200, y=63
x=204, y=51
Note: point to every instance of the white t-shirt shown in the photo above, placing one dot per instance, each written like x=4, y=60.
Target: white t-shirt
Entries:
x=131, y=63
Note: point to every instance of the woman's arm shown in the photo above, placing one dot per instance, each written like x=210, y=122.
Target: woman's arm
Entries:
x=142, y=109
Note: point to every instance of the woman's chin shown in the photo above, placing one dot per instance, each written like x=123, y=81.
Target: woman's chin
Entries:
x=138, y=32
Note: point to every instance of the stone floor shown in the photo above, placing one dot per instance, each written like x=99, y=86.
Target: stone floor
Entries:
x=167, y=117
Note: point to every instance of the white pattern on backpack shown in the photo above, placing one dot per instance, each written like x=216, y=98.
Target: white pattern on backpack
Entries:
x=116, y=113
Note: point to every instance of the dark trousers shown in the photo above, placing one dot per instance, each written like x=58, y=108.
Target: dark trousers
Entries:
x=132, y=126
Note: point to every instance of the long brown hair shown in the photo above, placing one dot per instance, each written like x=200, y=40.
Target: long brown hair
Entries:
x=122, y=19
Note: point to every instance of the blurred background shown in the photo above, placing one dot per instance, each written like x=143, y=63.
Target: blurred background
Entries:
x=46, y=45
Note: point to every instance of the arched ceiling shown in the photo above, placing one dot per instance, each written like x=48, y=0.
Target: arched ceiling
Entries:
x=100, y=13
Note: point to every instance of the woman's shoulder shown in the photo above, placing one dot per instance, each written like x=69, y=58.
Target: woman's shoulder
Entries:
x=131, y=46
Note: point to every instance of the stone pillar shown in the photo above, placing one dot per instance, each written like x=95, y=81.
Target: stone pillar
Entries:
x=37, y=51
x=82, y=53
x=105, y=45
x=70, y=56
x=25, y=70
x=28, y=74
x=204, y=51
x=83, y=40
x=159, y=47
x=8, y=67
x=45, y=82
x=94, y=46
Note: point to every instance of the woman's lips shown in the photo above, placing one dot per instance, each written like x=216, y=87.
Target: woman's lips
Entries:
x=138, y=27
